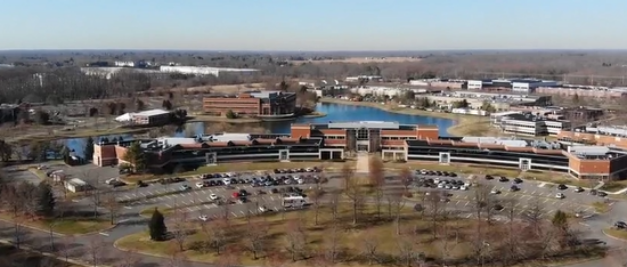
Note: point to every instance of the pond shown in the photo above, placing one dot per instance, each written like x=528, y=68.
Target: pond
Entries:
x=335, y=112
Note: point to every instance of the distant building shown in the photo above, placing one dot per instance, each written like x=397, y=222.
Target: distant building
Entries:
x=252, y=103
x=530, y=85
x=75, y=185
x=153, y=117
x=199, y=70
x=528, y=123
x=367, y=78
x=124, y=64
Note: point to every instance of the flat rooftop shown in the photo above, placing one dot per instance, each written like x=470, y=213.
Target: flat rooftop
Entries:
x=383, y=125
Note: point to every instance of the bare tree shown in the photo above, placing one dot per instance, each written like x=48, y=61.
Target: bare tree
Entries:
x=369, y=248
x=406, y=178
x=316, y=196
x=435, y=207
x=129, y=259
x=218, y=233
x=296, y=239
x=95, y=196
x=377, y=181
x=396, y=202
x=513, y=239
x=406, y=246
x=180, y=228
x=334, y=204
x=353, y=190
x=331, y=243
x=231, y=257
x=95, y=246
x=256, y=238
x=112, y=204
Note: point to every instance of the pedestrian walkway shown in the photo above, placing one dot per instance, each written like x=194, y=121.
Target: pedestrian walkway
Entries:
x=363, y=163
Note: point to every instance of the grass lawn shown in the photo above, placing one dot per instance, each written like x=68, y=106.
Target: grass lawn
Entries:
x=618, y=233
x=65, y=226
x=456, y=234
x=240, y=167
x=350, y=237
x=16, y=257
x=614, y=186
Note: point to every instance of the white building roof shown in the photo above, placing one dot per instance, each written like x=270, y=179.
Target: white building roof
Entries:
x=589, y=150
x=505, y=113
x=152, y=112
x=173, y=141
x=77, y=182
x=225, y=137
x=124, y=117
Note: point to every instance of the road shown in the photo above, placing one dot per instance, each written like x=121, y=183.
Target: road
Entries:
x=197, y=202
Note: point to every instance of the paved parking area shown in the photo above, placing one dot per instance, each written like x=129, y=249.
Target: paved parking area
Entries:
x=18, y=176
x=530, y=196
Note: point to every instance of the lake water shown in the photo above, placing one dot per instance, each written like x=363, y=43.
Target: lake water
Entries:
x=335, y=112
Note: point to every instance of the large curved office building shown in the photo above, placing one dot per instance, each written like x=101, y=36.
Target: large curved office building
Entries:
x=329, y=141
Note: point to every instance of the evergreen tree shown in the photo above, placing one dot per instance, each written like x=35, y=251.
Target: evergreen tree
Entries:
x=89, y=149
x=45, y=200
x=157, y=226
x=135, y=156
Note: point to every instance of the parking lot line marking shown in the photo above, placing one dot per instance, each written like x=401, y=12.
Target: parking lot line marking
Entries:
x=234, y=215
x=190, y=209
x=242, y=213
x=144, y=195
x=169, y=197
x=469, y=215
x=550, y=211
x=210, y=191
x=128, y=208
x=207, y=206
x=103, y=233
x=168, y=206
x=545, y=201
x=185, y=202
x=466, y=203
x=524, y=191
x=534, y=192
x=457, y=203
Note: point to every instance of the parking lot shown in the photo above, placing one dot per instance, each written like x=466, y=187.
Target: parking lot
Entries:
x=527, y=194
x=189, y=195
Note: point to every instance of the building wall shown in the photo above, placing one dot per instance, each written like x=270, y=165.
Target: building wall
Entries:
x=474, y=85
x=580, y=92
x=159, y=119
x=300, y=131
x=601, y=140
x=240, y=105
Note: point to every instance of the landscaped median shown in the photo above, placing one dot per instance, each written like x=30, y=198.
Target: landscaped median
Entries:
x=616, y=233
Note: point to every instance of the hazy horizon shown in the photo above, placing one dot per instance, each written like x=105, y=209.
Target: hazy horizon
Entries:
x=314, y=26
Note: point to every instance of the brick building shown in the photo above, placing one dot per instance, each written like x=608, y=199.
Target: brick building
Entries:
x=252, y=103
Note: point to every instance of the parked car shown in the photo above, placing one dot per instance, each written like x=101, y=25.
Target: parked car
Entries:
x=503, y=179
x=489, y=177
x=559, y=196
x=203, y=218
x=601, y=194
x=213, y=197
x=142, y=184
x=518, y=180
x=579, y=189
x=562, y=187
x=185, y=187
x=495, y=192
x=514, y=188
x=620, y=225
x=200, y=184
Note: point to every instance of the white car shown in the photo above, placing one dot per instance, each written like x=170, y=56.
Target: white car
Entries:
x=559, y=196
x=203, y=218
x=463, y=188
x=495, y=192
x=200, y=185
x=263, y=209
x=467, y=184
x=440, y=185
x=111, y=180
x=214, y=197
x=226, y=181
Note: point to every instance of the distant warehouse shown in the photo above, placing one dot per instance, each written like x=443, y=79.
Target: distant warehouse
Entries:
x=154, y=117
x=200, y=70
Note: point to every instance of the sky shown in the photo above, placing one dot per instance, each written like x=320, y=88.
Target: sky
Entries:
x=315, y=25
